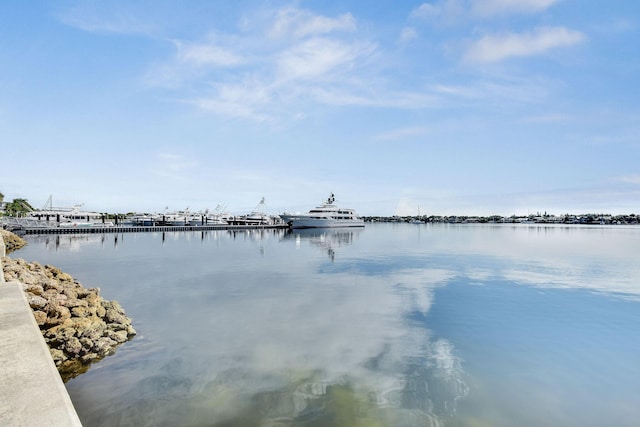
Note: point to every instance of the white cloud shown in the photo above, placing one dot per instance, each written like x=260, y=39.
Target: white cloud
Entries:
x=495, y=48
x=549, y=118
x=630, y=179
x=207, y=54
x=494, y=91
x=247, y=100
x=408, y=34
x=449, y=11
x=487, y=8
x=298, y=23
x=403, y=133
x=318, y=56
x=351, y=95
x=443, y=12
x=107, y=18
x=301, y=56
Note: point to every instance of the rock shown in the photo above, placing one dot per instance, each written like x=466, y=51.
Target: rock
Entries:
x=57, y=355
x=93, y=331
x=114, y=317
x=100, y=311
x=89, y=357
x=56, y=313
x=70, y=293
x=32, y=289
x=78, y=325
x=87, y=344
x=36, y=302
x=80, y=311
x=73, y=346
x=103, y=345
x=40, y=317
x=122, y=336
x=61, y=333
x=51, y=284
x=12, y=241
x=76, y=303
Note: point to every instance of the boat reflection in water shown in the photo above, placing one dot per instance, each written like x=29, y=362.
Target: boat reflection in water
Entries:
x=328, y=239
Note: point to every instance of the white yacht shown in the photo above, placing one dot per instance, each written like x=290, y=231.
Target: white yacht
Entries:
x=257, y=217
x=326, y=215
x=218, y=216
x=65, y=217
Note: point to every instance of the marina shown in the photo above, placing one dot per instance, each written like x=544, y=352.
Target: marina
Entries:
x=140, y=228
x=72, y=220
x=50, y=220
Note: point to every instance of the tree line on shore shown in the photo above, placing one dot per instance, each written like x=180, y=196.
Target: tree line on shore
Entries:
x=592, y=219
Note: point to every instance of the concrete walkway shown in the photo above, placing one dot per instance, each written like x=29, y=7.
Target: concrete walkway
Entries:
x=31, y=390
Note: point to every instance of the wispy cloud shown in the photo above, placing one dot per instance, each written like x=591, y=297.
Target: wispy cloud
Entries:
x=495, y=48
x=106, y=17
x=487, y=8
x=630, y=179
x=407, y=34
x=494, y=90
x=298, y=58
x=399, y=134
x=246, y=100
x=318, y=57
x=299, y=23
x=449, y=12
x=443, y=11
x=457, y=11
x=279, y=65
x=210, y=54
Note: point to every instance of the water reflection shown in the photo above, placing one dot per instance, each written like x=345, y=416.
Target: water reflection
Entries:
x=382, y=326
x=272, y=337
x=327, y=239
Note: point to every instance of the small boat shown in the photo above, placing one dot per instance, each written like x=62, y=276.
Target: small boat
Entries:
x=323, y=216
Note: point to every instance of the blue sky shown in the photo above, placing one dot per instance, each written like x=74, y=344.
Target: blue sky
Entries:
x=447, y=106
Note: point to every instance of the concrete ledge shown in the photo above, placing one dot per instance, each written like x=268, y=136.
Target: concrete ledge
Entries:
x=31, y=390
x=3, y=252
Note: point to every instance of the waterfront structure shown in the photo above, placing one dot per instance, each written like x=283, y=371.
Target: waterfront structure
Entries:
x=258, y=216
x=66, y=217
x=325, y=215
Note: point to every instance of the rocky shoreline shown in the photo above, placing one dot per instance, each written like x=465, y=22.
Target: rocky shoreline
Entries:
x=78, y=325
x=12, y=241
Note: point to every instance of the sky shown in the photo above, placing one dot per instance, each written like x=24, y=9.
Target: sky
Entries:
x=443, y=107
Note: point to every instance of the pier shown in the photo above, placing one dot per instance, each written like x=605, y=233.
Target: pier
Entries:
x=30, y=229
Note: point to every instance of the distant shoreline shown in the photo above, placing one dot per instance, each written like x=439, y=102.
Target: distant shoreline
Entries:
x=568, y=219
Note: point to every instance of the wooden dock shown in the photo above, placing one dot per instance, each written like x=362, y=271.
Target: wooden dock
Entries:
x=144, y=229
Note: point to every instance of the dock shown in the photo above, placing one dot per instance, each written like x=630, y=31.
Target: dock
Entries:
x=141, y=228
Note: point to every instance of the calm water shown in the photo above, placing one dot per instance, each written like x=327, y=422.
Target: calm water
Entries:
x=393, y=325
